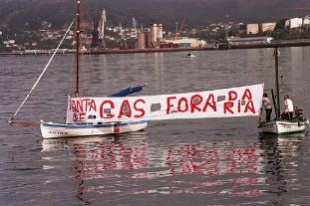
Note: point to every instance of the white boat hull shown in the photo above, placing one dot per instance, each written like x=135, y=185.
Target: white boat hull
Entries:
x=54, y=130
x=191, y=56
x=282, y=127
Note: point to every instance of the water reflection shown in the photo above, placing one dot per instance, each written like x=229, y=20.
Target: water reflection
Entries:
x=281, y=165
x=133, y=165
x=119, y=153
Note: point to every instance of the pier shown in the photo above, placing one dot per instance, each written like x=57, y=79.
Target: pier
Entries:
x=272, y=44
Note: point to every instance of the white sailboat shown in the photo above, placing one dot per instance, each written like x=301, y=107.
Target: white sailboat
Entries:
x=280, y=126
x=96, y=116
x=55, y=130
x=88, y=126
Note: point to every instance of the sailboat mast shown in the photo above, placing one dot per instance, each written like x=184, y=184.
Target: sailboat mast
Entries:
x=277, y=81
x=78, y=47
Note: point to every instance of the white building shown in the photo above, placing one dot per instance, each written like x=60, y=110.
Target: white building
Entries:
x=185, y=42
x=306, y=20
x=249, y=41
x=268, y=26
x=294, y=23
x=252, y=28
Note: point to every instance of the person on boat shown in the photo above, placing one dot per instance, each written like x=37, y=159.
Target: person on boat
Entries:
x=288, y=107
x=130, y=90
x=267, y=106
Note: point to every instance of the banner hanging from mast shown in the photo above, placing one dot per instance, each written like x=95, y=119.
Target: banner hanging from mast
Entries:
x=231, y=102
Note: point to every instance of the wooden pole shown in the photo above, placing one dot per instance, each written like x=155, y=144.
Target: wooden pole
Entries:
x=24, y=123
x=78, y=47
x=274, y=103
x=277, y=81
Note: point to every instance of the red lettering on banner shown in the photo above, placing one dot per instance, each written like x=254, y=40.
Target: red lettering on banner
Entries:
x=83, y=105
x=89, y=105
x=194, y=105
x=227, y=107
x=77, y=117
x=141, y=110
x=93, y=105
x=73, y=106
x=232, y=95
x=79, y=106
x=169, y=105
x=82, y=115
x=210, y=103
x=247, y=94
x=239, y=106
x=184, y=107
x=109, y=115
x=125, y=109
x=249, y=107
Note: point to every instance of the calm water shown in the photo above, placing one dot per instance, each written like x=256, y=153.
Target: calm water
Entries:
x=201, y=162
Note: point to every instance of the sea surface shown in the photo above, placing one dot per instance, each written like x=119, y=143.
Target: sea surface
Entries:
x=185, y=162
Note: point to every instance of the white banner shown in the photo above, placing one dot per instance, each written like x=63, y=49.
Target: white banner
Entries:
x=232, y=102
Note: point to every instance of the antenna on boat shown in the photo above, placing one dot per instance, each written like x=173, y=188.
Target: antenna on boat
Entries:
x=276, y=55
x=78, y=46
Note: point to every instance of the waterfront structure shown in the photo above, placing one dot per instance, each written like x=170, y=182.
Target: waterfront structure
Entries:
x=160, y=32
x=257, y=28
x=185, y=42
x=293, y=23
x=95, y=42
x=151, y=37
x=306, y=20
x=141, y=40
x=148, y=39
x=156, y=34
x=268, y=26
x=249, y=41
x=242, y=28
x=252, y=29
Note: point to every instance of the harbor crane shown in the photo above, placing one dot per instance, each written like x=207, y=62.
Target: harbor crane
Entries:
x=180, y=29
x=134, y=25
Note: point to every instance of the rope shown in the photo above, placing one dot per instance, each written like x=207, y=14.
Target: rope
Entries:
x=44, y=70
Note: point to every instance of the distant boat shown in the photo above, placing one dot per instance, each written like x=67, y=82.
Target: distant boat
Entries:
x=280, y=125
x=189, y=55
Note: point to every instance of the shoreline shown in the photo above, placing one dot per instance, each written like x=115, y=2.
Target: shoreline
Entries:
x=276, y=43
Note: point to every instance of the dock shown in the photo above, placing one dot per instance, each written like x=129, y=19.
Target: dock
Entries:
x=273, y=44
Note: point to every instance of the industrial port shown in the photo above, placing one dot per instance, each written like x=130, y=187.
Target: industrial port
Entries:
x=97, y=37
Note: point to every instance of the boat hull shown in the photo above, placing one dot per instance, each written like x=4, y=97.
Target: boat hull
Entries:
x=51, y=130
x=282, y=127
